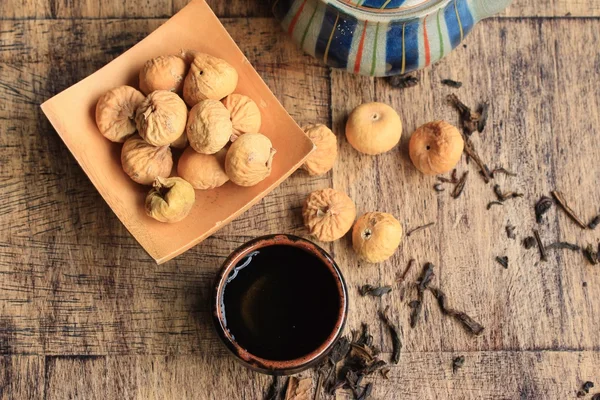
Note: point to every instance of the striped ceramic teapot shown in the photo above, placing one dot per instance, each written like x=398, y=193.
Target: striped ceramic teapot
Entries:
x=381, y=37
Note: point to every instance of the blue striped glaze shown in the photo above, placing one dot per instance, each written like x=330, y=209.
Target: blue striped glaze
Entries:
x=381, y=37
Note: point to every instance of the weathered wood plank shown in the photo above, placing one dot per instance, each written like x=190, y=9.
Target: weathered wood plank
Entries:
x=21, y=377
x=485, y=375
x=532, y=130
x=40, y=9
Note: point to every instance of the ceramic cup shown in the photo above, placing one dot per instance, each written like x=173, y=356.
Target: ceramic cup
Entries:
x=252, y=361
x=381, y=37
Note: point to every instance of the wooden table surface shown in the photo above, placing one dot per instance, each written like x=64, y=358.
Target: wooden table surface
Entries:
x=86, y=314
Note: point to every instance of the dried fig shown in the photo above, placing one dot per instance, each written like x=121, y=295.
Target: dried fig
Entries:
x=373, y=128
x=170, y=200
x=203, y=171
x=436, y=147
x=181, y=142
x=209, y=127
x=249, y=159
x=321, y=160
x=115, y=113
x=163, y=73
x=144, y=162
x=209, y=78
x=328, y=214
x=161, y=118
x=376, y=236
x=245, y=115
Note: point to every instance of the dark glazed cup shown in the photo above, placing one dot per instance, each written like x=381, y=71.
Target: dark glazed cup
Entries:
x=252, y=361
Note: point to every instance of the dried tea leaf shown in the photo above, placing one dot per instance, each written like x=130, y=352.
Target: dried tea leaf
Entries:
x=460, y=186
x=560, y=199
x=594, y=222
x=406, y=271
x=483, y=112
x=340, y=350
x=385, y=372
x=438, y=187
x=396, y=342
x=541, y=207
x=468, y=323
x=563, y=245
x=529, y=242
x=374, y=291
x=505, y=196
x=590, y=254
x=510, y=232
x=468, y=118
x=453, y=178
x=403, y=81
x=503, y=261
x=457, y=363
x=501, y=170
x=422, y=283
x=541, y=246
x=275, y=389
x=494, y=203
x=585, y=389
x=298, y=389
x=366, y=392
x=419, y=228
x=452, y=83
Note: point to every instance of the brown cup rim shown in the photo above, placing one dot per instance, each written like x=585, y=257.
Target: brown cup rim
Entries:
x=277, y=366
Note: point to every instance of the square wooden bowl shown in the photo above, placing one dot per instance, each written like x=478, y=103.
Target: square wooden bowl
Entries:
x=72, y=113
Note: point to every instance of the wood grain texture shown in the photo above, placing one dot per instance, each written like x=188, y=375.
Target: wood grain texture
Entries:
x=96, y=9
x=85, y=313
x=484, y=376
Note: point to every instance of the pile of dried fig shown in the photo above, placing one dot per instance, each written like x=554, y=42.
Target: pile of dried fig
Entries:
x=219, y=136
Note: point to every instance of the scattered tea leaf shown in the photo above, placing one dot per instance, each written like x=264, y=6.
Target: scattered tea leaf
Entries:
x=396, y=343
x=419, y=228
x=460, y=186
x=501, y=170
x=403, y=81
x=494, y=203
x=505, y=196
x=541, y=246
x=422, y=283
x=483, y=112
x=298, y=388
x=469, y=119
x=542, y=206
x=457, y=363
x=452, y=83
x=453, y=178
x=366, y=392
x=529, y=242
x=406, y=271
x=438, y=187
x=590, y=254
x=510, y=232
x=563, y=245
x=364, y=337
x=585, y=389
x=340, y=350
x=275, y=389
x=374, y=291
x=596, y=396
x=502, y=261
x=385, y=373
x=560, y=199
x=594, y=222
x=467, y=322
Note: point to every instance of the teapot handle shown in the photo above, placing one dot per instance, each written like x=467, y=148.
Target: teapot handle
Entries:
x=488, y=8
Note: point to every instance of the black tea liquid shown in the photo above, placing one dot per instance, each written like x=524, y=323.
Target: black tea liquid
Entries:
x=280, y=302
